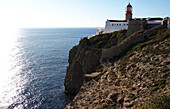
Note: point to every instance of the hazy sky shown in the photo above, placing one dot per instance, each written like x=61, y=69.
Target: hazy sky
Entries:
x=75, y=13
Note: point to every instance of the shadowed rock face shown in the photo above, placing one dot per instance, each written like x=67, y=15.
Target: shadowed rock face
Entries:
x=82, y=60
x=74, y=78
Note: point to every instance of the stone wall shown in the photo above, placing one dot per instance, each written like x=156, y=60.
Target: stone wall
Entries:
x=117, y=50
x=136, y=25
x=149, y=26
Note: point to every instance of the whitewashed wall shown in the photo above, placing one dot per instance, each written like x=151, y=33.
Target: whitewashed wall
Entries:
x=115, y=26
x=154, y=22
x=168, y=26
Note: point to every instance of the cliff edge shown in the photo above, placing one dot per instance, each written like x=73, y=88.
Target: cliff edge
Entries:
x=137, y=79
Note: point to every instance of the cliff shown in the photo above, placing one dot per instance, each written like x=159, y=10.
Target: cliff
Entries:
x=85, y=59
x=81, y=60
x=139, y=78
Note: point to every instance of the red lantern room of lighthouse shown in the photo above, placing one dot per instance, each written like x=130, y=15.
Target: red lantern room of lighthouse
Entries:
x=128, y=14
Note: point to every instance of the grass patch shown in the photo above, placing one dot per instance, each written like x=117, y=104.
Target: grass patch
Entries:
x=158, y=85
x=160, y=102
x=154, y=89
x=165, y=69
x=138, y=32
x=107, y=40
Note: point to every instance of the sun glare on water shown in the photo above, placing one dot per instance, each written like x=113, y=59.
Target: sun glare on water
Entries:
x=9, y=82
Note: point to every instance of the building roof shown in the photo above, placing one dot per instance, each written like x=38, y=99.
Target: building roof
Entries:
x=138, y=19
x=155, y=19
x=129, y=5
x=118, y=20
x=149, y=19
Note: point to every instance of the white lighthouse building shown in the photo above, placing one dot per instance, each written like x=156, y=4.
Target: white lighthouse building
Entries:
x=134, y=25
x=116, y=25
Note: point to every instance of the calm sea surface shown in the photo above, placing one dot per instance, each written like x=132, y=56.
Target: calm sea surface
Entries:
x=33, y=65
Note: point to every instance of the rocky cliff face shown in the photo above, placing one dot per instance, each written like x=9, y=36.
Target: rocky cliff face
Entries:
x=82, y=60
x=139, y=79
x=85, y=58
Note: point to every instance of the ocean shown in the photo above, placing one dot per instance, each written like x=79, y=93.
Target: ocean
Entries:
x=33, y=63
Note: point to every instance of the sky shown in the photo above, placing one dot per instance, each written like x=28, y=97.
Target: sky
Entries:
x=74, y=13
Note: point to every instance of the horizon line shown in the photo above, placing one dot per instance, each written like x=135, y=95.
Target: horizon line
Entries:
x=58, y=27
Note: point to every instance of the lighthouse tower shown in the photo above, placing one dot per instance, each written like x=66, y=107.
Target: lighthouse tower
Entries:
x=128, y=14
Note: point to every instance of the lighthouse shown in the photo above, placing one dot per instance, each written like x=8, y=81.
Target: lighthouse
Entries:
x=128, y=14
x=131, y=24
